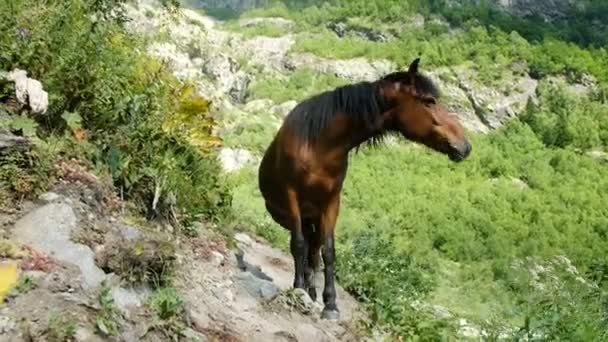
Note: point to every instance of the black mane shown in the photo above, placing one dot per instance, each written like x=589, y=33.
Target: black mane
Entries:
x=361, y=101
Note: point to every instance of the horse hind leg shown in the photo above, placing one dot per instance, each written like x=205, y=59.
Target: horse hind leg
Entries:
x=313, y=237
x=298, y=243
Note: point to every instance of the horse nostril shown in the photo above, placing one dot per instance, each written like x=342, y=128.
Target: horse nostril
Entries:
x=460, y=150
x=468, y=149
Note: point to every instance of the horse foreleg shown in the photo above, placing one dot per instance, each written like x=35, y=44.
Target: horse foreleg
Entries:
x=328, y=222
x=298, y=244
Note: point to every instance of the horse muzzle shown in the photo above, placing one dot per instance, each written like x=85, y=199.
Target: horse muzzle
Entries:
x=460, y=151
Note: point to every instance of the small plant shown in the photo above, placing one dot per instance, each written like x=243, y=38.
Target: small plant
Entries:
x=26, y=284
x=109, y=317
x=60, y=329
x=167, y=303
x=148, y=260
x=168, y=307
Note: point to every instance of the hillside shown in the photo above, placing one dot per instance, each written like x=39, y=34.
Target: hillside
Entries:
x=144, y=159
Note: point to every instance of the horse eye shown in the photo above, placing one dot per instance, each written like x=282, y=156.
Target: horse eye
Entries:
x=430, y=101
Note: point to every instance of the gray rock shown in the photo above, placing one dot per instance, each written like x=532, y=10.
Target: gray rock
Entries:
x=243, y=238
x=10, y=142
x=228, y=76
x=268, y=52
x=49, y=197
x=235, y=159
x=129, y=233
x=256, y=287
x=217, y=258
x=342, y=30
x=236, y=5
x=284, y=108
x=598, y=155
x=354, y=70
x=6, y=325
x=48, y=229
x=85, y=335
x=549, y=10
x=258, y=105
x=29, y=91
x=128, y=299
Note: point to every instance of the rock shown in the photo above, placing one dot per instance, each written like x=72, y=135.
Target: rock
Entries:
x=518, y=183
x=549, y=10
x=10, y=143
x=467, y=330
x=6, y=325
x=129, y=233
x=482, y=108
x=354, y=70
x=284, y=108
x=279, y=22
x=342, y=30
x=229, y=79
x=235, y=159
x=243, y=238
x=258, y=105
x=47, y=229
x=85, y=335
x=228, y=295
x=29, y=91
x=416, y=21
x=441, y=312
x=217, y=258
x=128, y=300
x=598, y=155
x=305, y=304
x=268, y=52
x=49, y=197
x=179, y=62
x=235, y=5
x=193, y=336
x=258, y=288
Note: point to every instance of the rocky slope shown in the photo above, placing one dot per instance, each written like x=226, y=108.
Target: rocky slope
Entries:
x=70, y=247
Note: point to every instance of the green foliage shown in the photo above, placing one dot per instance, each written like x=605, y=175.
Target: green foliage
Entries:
x=25, y=173
x=106, y=92
x=564, y=120
x=298, y=85
x=109, y=317
x=60, y=328
x=167, y=303
x=26, y=284
x=150, y=260
x=260, y=29
x=169, y=309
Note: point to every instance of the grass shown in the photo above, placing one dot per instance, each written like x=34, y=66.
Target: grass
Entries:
x=259, y=29
x=297, y=86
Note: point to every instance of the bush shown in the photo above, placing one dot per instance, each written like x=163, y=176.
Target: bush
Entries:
x=104, y=89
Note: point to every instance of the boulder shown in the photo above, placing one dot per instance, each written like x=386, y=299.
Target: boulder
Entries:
x=228, y=76
x=29, y=91
x=235, y=159
x=353, y=70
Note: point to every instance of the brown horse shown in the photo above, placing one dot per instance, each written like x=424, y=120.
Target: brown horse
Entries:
x=302, y=171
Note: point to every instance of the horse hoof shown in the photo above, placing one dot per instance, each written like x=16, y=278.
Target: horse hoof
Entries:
x=332, y=315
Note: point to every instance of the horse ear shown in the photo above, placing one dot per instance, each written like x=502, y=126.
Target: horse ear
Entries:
x=414, y=67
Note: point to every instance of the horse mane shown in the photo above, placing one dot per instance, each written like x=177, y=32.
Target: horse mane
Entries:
x=361, y=101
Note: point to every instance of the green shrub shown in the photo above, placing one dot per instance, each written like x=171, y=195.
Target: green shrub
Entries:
x=299, y=85
x=101, y=83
